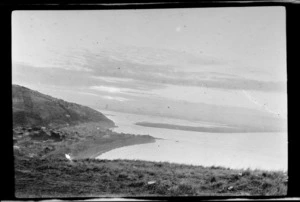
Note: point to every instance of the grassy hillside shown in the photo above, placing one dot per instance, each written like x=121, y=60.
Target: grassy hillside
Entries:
x=120, y=178
x=31, y=108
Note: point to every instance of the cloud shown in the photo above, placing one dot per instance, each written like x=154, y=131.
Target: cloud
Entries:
x=139, y=66
x=83, y=81
x=138, y=69
x=112, y=79
x=162, y=76
x=86, y=93
x=108, y=89
x=120, y=90
x=121, y=99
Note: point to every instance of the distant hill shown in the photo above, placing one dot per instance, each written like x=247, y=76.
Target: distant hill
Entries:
x=31, y=108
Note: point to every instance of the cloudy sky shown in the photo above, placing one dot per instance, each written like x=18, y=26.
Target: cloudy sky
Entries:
x=167, y=61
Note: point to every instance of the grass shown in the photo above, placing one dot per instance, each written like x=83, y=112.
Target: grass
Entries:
x=41, y=169
x=120, y=178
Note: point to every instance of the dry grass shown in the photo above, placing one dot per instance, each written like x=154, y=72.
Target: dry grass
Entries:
x=91, y=177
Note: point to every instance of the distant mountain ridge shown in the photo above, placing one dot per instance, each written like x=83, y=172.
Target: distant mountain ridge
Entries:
x=32, y=108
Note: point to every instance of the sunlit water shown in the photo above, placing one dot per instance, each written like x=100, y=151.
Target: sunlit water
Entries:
x=234, y=150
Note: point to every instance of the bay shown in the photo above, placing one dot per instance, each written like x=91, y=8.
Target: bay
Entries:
x=267, y=151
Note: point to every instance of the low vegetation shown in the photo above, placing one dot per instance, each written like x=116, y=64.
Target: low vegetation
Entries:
x=37, y=177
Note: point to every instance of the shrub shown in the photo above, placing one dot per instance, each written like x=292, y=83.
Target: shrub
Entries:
x=234, y=177
x=161, y=188
x=183, y=189
x=136, y=184
x=266, y=185
x=122, y=176
x=213, y=179
x=217, y=184
x=158, y=165
x=246, y=173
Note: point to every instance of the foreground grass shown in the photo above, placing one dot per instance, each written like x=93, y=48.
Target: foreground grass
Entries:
x=120, y=178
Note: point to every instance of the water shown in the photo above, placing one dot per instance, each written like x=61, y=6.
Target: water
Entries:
x=266, y=151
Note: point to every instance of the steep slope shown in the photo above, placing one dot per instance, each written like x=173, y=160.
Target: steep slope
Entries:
x=31, y=108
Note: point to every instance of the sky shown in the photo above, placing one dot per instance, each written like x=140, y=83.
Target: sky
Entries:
x=152, y=60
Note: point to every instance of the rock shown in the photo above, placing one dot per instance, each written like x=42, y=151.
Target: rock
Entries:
x=31, y=155
x=16, y=147
x=151, y=182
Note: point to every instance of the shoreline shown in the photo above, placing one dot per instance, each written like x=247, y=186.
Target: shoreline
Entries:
x=95, y=156
x=113, y=148
x=86, y=140
x=94, y=142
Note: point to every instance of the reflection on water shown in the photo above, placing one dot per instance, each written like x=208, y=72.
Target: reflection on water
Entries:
x=234, y=150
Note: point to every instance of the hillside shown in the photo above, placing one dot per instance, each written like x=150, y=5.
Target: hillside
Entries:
x=31, y=108
x=55, y=178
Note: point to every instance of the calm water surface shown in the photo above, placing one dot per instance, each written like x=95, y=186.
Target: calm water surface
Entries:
x=234, y=150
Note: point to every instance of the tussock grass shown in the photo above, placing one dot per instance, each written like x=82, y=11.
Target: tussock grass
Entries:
x=92, y=177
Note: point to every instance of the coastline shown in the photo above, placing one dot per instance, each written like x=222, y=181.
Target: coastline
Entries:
x=91, y=141
x=85, y=140
x=117, y=146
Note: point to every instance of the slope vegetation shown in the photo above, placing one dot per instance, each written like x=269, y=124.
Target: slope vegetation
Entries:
x=124, y=178
x=31, y=108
